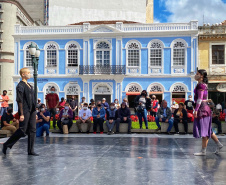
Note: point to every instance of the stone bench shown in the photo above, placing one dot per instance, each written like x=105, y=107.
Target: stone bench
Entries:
x=5, y=133
x=164, y=127
x=123, y=128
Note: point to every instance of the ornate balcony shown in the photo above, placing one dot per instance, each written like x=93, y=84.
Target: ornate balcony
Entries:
x=102, y=69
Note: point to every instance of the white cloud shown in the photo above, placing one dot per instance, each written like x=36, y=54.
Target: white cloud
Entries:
x=214, y=11
x=156, y=20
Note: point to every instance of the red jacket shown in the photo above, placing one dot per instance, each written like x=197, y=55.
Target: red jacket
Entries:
x=155, y=105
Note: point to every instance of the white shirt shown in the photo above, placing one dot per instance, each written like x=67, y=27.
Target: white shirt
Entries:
x=84, y=114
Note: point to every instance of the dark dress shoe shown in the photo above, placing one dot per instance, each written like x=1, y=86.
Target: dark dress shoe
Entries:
x=169, y=133
x=4, y=148
x=33, y=153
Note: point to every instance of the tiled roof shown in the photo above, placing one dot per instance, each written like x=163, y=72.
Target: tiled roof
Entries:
x=104, y=22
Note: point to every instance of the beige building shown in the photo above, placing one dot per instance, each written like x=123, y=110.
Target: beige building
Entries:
x=212, y=52
x=11, y=13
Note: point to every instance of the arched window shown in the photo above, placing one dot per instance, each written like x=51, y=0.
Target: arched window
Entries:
x=51, y=58
x=51, y=55
x=72, y=55
x=155, y=56
x=72, y=50
x=179, y=56
x=103, y=54
x=48, y=87
x=27, y=57
x=72, y=89
x=133, y=55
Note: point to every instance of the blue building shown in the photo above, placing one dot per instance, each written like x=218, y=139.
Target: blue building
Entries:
x=114, y=60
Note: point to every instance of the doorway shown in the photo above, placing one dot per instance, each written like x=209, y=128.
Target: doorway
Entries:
x=131, y=99
x=178, y=97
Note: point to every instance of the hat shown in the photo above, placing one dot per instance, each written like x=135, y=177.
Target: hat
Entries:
x=39, y=99
x=104, y=99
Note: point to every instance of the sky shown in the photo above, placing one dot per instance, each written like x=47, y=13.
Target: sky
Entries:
x=211, y=11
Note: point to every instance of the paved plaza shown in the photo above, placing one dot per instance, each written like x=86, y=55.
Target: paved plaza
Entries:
x=117, y=159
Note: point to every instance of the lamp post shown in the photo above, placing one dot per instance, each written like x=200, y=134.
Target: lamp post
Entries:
x=34, y=52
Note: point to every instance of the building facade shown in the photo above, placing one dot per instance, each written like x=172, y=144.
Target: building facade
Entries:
x=11, y=13
x=61, y=13
x=212, y=52
x=112, y=60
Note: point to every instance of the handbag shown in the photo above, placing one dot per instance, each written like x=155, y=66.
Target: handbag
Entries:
x=65, y=129
x=140, y=109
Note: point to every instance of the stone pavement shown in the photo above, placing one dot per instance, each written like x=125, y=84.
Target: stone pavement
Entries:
x=112, y=160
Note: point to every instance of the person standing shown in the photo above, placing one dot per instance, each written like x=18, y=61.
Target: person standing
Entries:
x=154, y=107
x=52, y=102
x=126, y=101
x=219, y=107
x=5, y=100
x=73, y=106
x=82, y=102
x=39, y=103
x=202, y=123
x=142, y=102
x=61, y=104
x=105, y=104
x=92, y=105
x=189, y=104
x=117, y=105
x=27, y=112
x=174, y=106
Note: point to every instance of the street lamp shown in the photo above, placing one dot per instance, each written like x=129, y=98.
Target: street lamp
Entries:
x=34, y=52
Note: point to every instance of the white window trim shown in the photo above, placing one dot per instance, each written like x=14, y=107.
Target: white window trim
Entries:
x=45, y=63
x=149, y=61
x=172, y=48
x=25, y=56
x=210, y=54
x=134, y=84
x=71, y=84
x=110, y=50
x=131, y=67
x=155, y=84
x=66, y=55
x=101, y=84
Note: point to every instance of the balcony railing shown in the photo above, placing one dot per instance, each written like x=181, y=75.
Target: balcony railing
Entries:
x=77, y=29
x=102, y=69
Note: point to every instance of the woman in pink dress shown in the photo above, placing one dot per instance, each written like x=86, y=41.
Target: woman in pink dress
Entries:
x=203, y=118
